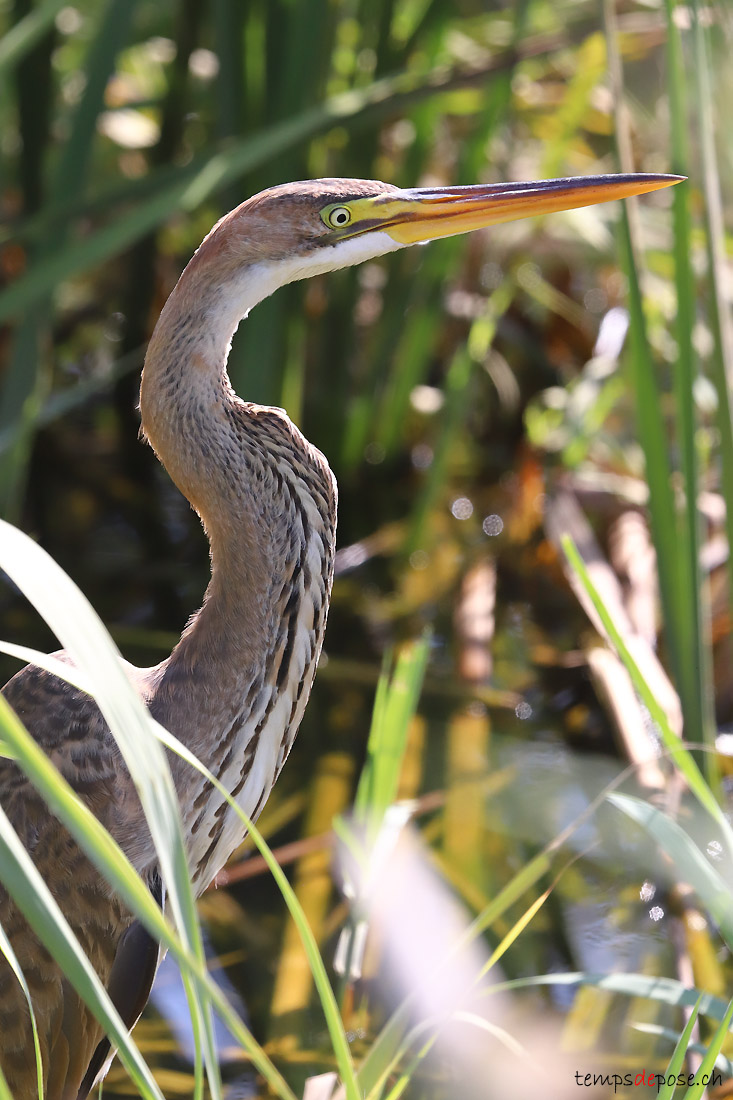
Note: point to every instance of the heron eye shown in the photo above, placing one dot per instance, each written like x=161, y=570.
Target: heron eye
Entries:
x=336, y=217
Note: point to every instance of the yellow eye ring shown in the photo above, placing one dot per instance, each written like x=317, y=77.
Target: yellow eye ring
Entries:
x=336, y=217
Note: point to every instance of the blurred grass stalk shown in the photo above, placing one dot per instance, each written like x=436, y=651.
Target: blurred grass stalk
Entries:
x=369, y=835
x=719, y=319
x=677, y=534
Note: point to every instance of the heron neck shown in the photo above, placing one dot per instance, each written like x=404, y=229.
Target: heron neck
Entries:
x=266, y=498
x=185, y=393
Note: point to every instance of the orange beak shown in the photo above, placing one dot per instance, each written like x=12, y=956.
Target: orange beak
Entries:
x=424, y=213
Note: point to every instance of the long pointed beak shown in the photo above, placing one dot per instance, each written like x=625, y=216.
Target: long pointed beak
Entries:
x=424, y=213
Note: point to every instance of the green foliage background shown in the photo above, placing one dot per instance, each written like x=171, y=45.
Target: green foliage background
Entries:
x=128, y=127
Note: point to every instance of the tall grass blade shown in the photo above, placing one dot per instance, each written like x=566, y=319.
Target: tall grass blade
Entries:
x=514, y=932
x=646, y=390
x=653, y=437
x=706, y=1067
x=394, y=707
x=45, y=918
x=385, y=1050
x=411, y=361
x=675, y=1063
x=109, y=38
x=720, y=319
x=12, y=960
x=561, y=131
x=681, y=756
x=320, y=977
x=672, y=1035
x=407, y=1074
x=21, y=38
x=691, y=865
x=26, y=385
x=372, y=830
x=228, y=19
x=668, y=991
x=77, y=626
x=695, y=674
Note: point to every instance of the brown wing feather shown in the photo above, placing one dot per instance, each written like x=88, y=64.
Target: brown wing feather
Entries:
x=69, y=727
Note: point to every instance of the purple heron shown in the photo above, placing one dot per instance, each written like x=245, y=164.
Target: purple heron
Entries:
x=236, y=685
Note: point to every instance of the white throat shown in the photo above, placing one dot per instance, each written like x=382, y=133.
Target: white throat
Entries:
x=233, y=301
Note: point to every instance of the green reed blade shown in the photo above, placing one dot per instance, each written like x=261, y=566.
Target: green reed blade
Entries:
x=17, y=42
x=720, y=319
x=691, y=865
x=12, y=960
x=675, y=1063
x=677, y=749
x=705, y=1069
x=77, y=626
x=695, y=673
x=667, y=991
x=38, y=905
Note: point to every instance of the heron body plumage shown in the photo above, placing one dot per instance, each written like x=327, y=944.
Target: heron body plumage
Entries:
x=235, y=687
x=258, y=693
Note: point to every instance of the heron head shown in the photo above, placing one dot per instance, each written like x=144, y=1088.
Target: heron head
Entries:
x=320, y=225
